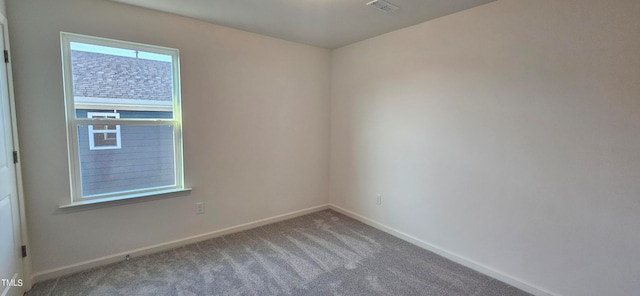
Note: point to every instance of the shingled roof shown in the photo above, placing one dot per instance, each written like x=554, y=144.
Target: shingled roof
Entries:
x=97, y=75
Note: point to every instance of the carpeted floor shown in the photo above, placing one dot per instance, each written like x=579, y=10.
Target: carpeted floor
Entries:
x=324, y=253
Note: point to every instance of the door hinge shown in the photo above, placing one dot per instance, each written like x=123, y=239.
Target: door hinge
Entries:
x=15, y=156
x=6, y=56
x=24, y=251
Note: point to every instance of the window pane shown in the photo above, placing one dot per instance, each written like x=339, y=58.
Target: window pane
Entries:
x=110, y=136
x=104, y=140
x=104, y=127
x=144, y=160
x=109, y=78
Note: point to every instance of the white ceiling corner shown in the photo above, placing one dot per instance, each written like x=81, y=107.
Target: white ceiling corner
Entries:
x=323, y=23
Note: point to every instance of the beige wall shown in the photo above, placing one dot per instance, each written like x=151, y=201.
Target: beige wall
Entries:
x=508, y=134
x=256, y=128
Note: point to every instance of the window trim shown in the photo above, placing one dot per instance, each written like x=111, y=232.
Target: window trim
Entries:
x=72, y=122
x=92, y=132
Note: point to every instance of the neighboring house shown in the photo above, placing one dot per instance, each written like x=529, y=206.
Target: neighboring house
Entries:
x=120, y=158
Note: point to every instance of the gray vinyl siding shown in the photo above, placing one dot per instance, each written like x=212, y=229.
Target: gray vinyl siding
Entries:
x=145, y=159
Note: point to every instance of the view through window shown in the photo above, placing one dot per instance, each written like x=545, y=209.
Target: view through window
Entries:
x=123, y=114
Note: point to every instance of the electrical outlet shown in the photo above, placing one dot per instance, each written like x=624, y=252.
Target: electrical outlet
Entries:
x=200, y=208
x=379, y=199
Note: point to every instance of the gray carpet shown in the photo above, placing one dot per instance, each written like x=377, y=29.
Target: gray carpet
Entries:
x=323, y=253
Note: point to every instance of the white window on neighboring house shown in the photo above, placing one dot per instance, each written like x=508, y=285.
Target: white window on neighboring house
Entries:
x=114, y=91
x=104, y=136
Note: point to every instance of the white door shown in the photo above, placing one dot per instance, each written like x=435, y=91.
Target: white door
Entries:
x=11, y=275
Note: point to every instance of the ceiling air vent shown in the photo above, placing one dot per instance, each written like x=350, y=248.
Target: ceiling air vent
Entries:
x=383, y=6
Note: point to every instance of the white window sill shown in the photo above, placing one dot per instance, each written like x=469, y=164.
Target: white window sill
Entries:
x=125, y=199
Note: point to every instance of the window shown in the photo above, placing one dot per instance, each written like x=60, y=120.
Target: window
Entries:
x=104, y=136
x=123, y=118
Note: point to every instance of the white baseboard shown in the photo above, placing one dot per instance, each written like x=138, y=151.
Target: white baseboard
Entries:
x=80, y=266
x=520, y=284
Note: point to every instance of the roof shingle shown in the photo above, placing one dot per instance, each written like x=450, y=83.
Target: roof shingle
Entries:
x=97, y=75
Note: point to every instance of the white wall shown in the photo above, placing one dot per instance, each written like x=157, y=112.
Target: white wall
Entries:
x=508, y=134
x=3, y=8
x=256, y=128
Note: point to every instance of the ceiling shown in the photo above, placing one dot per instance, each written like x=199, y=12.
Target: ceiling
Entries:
x=323, y=23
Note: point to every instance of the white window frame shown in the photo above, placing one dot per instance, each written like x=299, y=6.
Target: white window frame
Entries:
x=72, y=122
x=93, y=132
